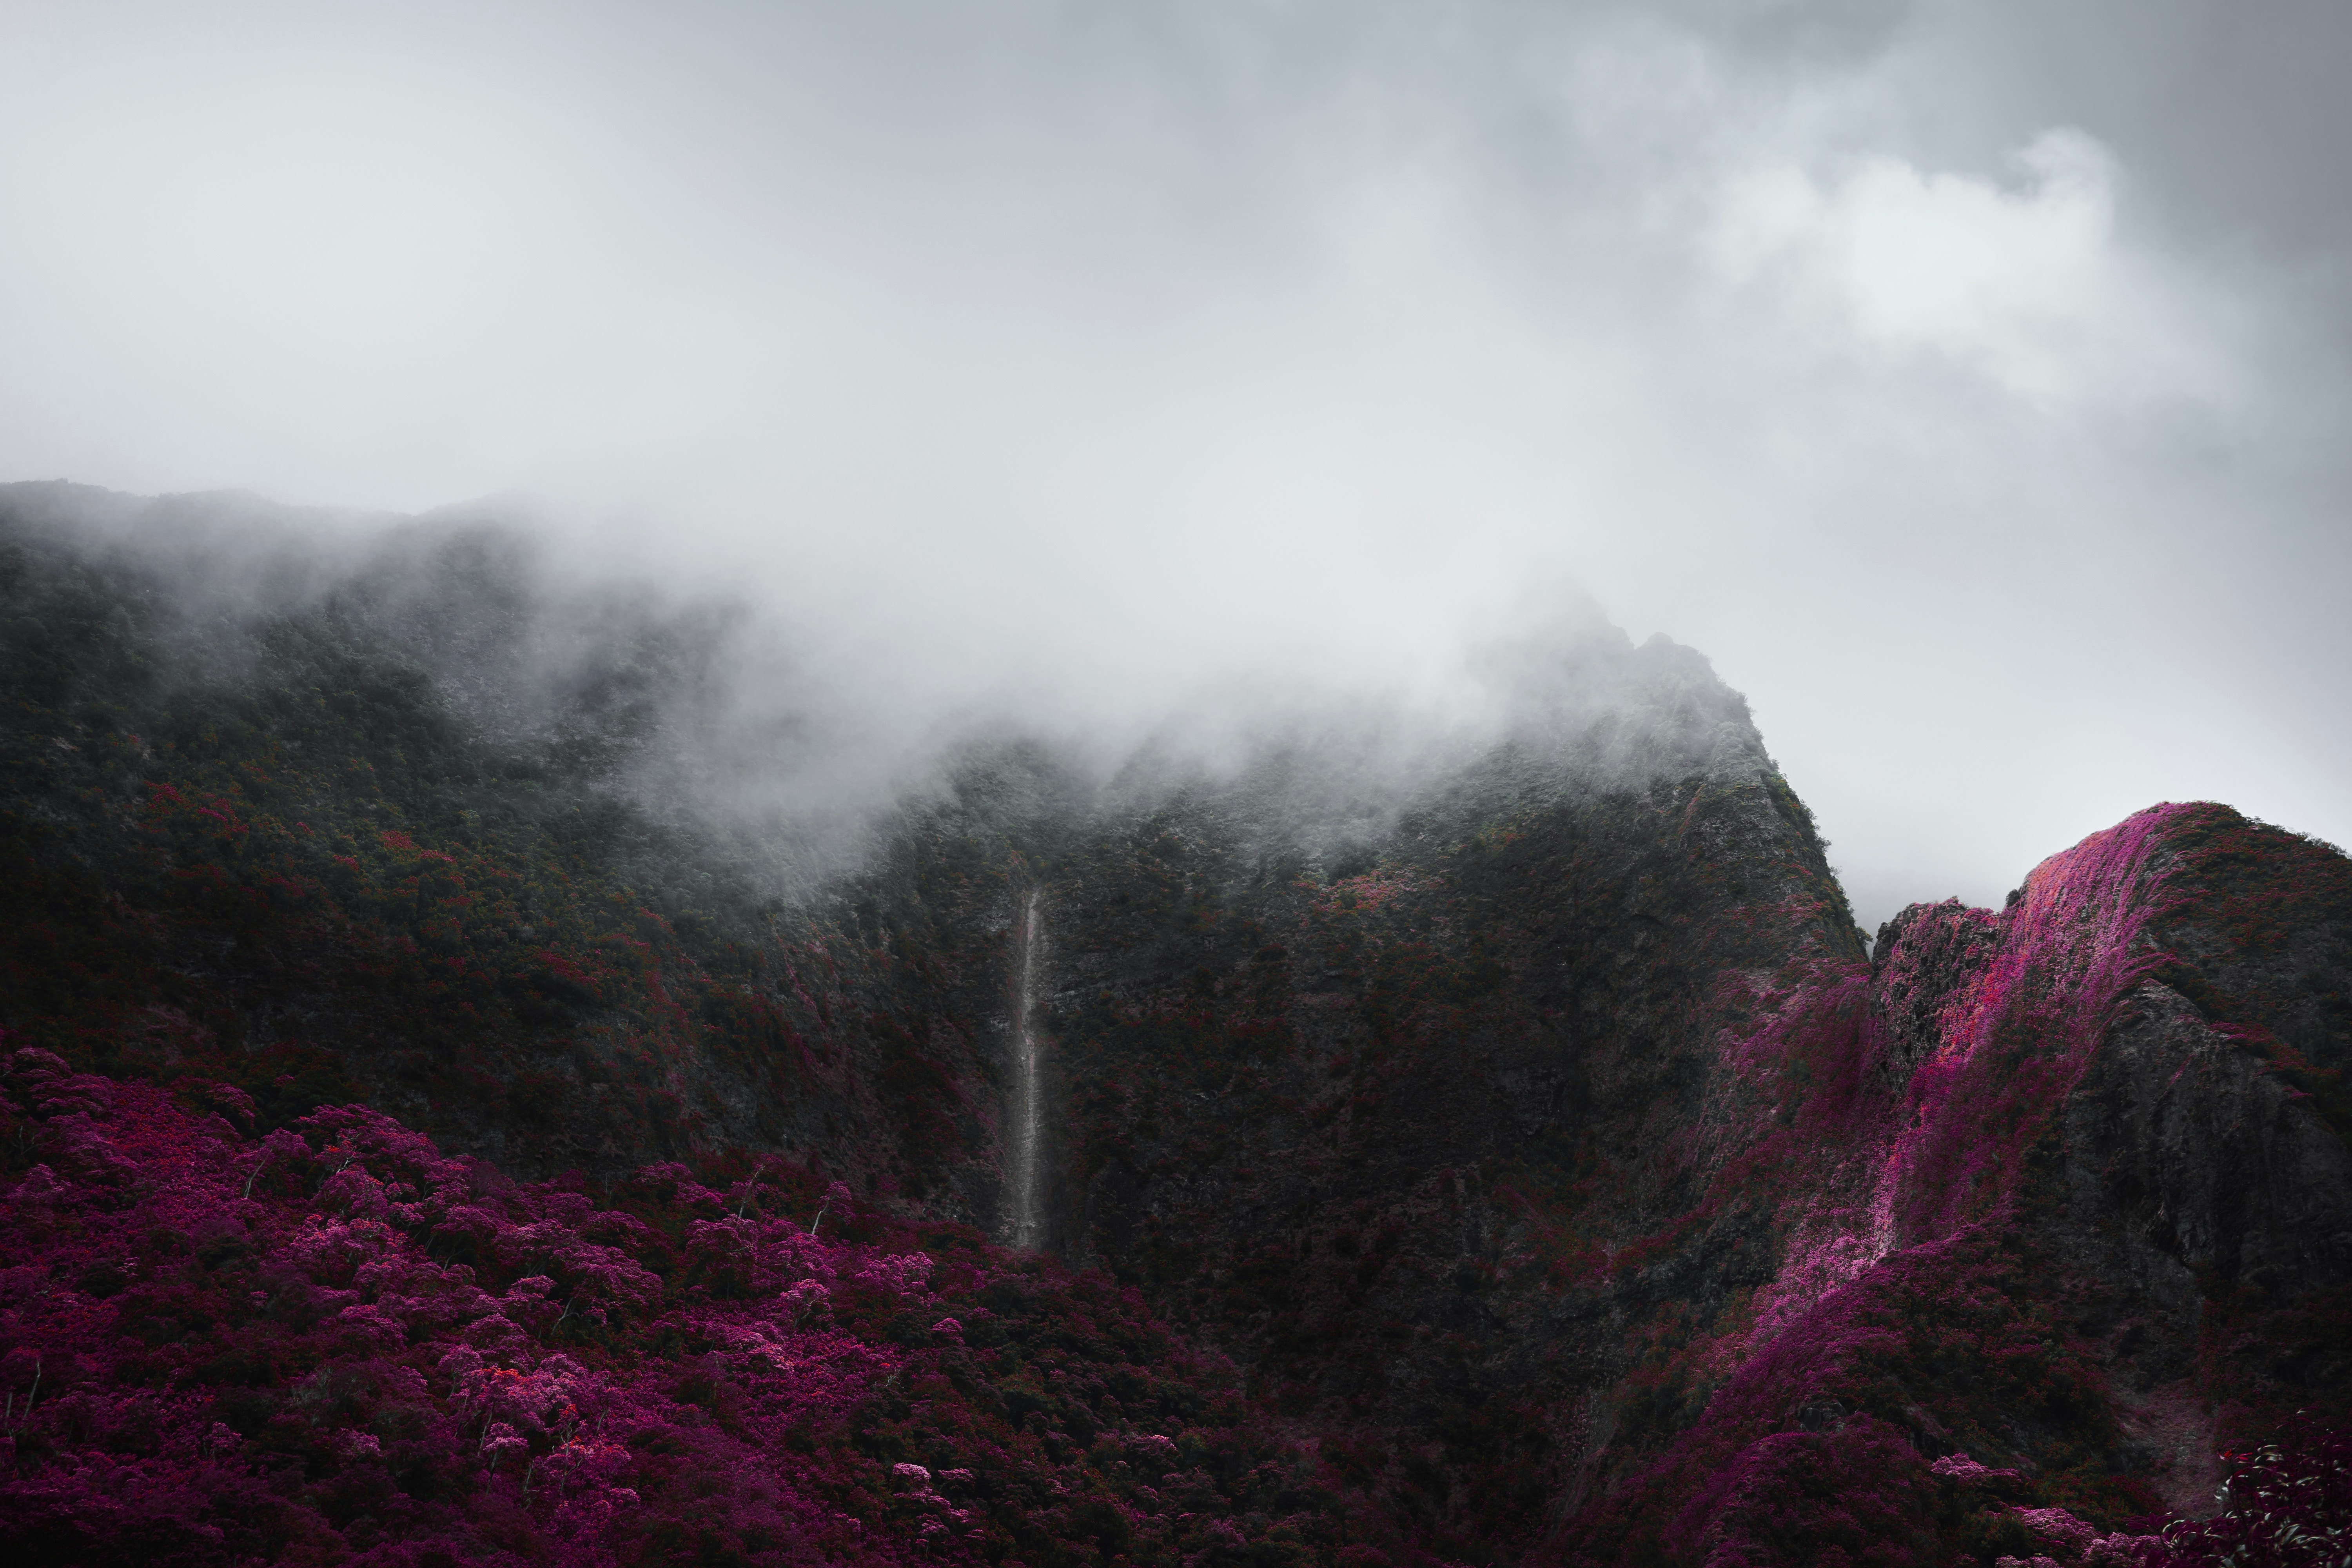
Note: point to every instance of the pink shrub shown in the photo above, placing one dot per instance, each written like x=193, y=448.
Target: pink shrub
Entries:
x=337, y=1343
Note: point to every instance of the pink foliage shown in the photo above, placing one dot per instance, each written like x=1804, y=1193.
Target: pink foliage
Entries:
x=335, y=1342
x=2015, y=1041
x=1966, y=1470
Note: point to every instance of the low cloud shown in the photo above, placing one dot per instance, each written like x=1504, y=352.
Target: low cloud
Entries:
x=1966, y=382
x=2026, y=282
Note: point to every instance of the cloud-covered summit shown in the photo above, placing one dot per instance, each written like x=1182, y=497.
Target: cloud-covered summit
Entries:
x=1967, y=381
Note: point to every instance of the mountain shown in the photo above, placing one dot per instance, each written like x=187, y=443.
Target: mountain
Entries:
x=1493, y=1143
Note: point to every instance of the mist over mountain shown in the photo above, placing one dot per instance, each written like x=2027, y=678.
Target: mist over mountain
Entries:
x=1968, y=382
x=1284, y=784
x=506, y=1064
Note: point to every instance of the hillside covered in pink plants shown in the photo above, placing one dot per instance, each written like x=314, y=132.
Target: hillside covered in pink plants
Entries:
x=430, y=1136
x=333, y=1342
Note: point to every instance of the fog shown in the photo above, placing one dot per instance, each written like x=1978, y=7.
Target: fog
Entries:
x=1969, y=383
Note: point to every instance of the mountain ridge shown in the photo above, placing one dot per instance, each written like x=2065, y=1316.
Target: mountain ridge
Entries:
x=1529, y=1130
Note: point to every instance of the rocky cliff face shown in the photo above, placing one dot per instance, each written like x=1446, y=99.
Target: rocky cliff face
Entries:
x=2094, y=1228
x=1565, y=1163
x=1381, y=1130
x=1435, y=1138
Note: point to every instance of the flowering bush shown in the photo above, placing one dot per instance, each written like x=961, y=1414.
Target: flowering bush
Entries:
x=333, y=1342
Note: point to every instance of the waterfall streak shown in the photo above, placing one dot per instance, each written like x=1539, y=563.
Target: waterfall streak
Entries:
x=1028, y=1221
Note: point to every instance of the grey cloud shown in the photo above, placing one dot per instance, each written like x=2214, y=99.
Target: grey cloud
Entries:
x=1070, y=361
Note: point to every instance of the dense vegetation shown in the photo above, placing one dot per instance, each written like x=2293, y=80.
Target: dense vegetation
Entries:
x=334, y=1343
x=263, y=840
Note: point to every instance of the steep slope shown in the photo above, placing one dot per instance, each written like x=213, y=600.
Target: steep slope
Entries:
x=1425, y=1129
x=2059, y=1234
x=329, y=833
x=1570, y=1174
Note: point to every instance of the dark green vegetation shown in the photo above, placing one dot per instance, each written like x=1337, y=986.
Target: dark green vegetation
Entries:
x=273, y=840
x=1533, y=1162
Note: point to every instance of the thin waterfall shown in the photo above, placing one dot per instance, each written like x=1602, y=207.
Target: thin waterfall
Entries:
x=1028, y=1093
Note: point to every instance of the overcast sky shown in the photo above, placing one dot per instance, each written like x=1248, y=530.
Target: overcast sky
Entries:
x=1968, y=381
